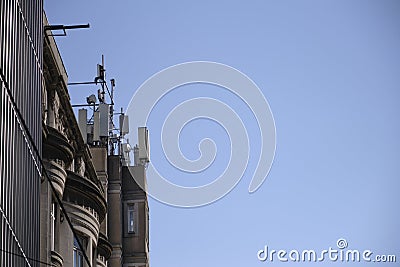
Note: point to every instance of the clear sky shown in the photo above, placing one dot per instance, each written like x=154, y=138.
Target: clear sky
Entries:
x=330, y=71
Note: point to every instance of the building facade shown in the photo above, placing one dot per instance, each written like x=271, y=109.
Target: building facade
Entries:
x=21, y=68
x=74, y=188
x=129, y=213
x=107, y=209
x=66, y=199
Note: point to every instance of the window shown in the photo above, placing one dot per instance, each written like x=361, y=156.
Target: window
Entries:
x=52, y=225
x=78, y=254
x=131, y=219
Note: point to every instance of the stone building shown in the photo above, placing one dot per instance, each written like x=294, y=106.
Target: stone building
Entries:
x=76, y=180
x=129, y=213
x=65, y=198
x=107, y=209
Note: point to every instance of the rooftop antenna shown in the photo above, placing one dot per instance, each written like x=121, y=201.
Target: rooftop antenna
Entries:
x=113, y=138
x=103, y=109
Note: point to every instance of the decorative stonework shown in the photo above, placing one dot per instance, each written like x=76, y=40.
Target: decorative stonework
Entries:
x=69, y=164
x=79, y=166
x=83, y=221
x=57, y=146
x=82, y=191
x=104, y=248
x=56, y=259
x=56, y=174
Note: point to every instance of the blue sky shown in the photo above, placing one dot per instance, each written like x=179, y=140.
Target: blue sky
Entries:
x=330, y=71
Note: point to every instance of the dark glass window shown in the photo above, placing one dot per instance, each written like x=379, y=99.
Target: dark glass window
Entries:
x=131, y=219
x=78, y=255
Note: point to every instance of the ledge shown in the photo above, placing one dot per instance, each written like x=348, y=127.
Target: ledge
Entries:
x=104, y=247
x=56, y=259
x=57, y=175
x=100, y=263
x=56, y=146
x=80, y=190
x=83, y=220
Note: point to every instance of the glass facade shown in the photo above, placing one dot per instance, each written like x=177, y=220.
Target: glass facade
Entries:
x=21, y=79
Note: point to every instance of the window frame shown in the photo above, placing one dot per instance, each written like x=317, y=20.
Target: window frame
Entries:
x=131, y=219
x=53, y=216
x=77, y=260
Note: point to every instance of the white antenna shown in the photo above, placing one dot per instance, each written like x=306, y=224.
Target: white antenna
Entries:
x=124, y=124
x=136, y=156
x=96, y=126
x=126, y=149
x=104, y=110
x=82, y=118
x=144, y=145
